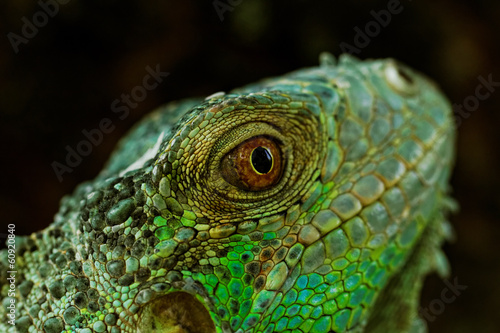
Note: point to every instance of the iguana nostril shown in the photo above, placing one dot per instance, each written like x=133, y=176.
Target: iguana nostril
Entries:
x=177, y=312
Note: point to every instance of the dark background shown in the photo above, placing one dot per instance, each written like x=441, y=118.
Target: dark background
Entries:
x=64, y=79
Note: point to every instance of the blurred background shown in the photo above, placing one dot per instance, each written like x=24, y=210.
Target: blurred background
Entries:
x=60, y=72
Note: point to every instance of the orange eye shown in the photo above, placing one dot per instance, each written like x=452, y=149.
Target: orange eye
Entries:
x=254, y=165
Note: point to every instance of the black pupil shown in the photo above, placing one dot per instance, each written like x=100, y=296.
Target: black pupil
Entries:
x=262, y=160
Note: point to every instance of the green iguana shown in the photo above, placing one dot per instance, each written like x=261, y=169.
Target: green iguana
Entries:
x=310, y=202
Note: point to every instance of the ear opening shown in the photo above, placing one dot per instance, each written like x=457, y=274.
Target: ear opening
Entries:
x=176, y=312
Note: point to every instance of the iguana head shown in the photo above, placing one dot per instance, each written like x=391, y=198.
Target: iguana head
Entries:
x=279, y=205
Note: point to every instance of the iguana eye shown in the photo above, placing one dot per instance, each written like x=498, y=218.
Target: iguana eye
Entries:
x=399, y=79
x=254, y=165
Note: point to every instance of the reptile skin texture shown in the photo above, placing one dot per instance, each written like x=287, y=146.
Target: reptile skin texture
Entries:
x=311, y=202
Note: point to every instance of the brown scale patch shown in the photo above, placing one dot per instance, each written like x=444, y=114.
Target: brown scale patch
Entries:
x=259, y=283
x=266, y=267
x=253, y=268
x=266, y=254
x=280, y=255
x=290, y=240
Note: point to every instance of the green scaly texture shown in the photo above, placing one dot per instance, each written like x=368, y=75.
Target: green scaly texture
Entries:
x=160, y=241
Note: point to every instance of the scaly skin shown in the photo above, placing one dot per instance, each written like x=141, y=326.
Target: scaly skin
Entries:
x=161, y=241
